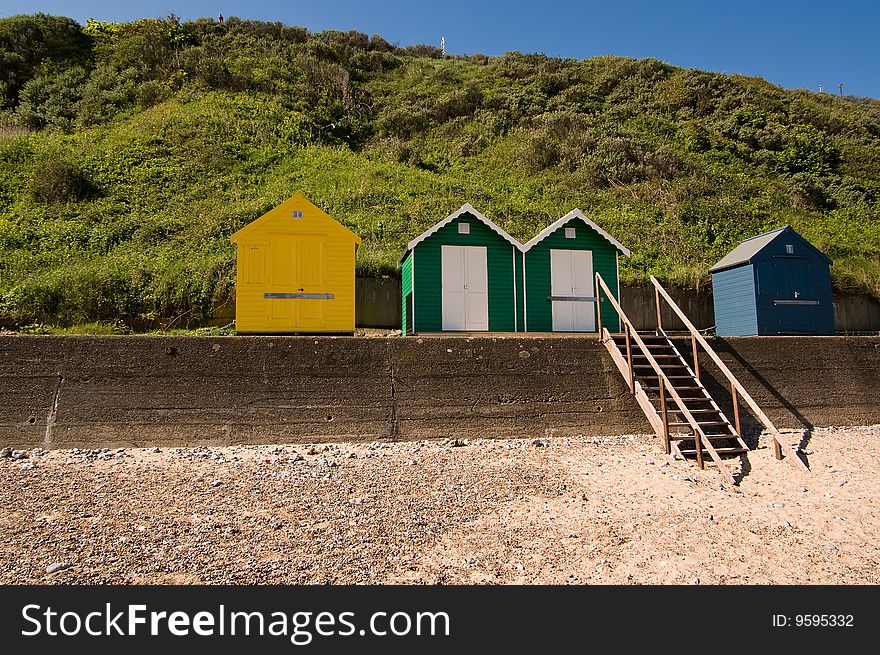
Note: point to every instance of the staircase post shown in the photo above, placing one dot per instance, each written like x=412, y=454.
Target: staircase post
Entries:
x=657, y=302
x=735, y=410
x=629, y=361
x=696, y=356
x=665, y=416
x=598, y=307
x=699, y=444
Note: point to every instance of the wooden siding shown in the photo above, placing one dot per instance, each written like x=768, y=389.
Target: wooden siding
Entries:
x=539, y=316
x=263, y=239
x=519, y=296
x=733, y=293
x=405, y=292
x=499, y=262
x=779, y=275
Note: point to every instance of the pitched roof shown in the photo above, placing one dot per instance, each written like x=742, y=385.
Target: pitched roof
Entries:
x=748, y=248
x=466, y=208
x=575, y=213
x=296, y=200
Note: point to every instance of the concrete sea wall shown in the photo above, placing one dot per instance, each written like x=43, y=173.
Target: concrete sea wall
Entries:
x=86, y=391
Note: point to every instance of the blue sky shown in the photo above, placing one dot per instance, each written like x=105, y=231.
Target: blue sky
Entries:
x=794, y=44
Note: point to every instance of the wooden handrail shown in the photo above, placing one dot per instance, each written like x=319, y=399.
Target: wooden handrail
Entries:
x=698, y=431
x=779, y=443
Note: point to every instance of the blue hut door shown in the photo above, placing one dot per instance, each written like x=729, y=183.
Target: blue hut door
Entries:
x=465, y=292
x=571, y=291
x=796, y=305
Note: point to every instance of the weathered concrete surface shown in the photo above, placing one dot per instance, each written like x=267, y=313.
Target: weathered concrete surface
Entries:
x=84, y=391
x=799, y=382
x=377, y=302
x=132, y=391
x=486, y=387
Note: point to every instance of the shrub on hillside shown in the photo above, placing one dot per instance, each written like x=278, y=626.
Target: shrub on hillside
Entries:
x=59, y=180
x=51, y=101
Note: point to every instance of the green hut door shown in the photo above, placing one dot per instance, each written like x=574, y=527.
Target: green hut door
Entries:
x=571, y=291
x=465, y=290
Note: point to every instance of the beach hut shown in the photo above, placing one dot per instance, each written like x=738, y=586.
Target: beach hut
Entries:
x=464, y=274
x=560, y=267
x=773, y=283
x=295, y=272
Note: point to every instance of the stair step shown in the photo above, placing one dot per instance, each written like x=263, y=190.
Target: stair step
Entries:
x=671, y=377
x=685, y=437
x=700, y=423
x=733, y=450
x=663, y=366
x=685, y=424
x=649, y=344
x=676, y=410
x=677, y=388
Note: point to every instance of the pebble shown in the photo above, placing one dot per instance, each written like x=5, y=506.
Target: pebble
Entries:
x=841, y=483
x=828, y=495
x=57, y=566
x=19, y=454
x=803, y=490
x=355, y=501
x=27, y=466
x=539, y=444
x=777, y=505
x=5, y=452
x=216, y=483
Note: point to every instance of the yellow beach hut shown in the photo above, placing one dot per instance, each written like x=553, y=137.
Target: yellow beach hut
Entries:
x=295, y=271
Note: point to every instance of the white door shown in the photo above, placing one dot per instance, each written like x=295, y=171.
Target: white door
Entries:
x=465, y=292
x=571, y=281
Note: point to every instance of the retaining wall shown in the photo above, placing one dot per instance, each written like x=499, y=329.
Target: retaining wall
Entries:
x=117, y=391
x=84, y=391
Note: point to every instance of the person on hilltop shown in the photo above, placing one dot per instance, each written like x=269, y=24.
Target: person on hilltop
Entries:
x=220, y=19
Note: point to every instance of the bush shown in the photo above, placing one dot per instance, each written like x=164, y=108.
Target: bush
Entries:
x=58, y=180
x=31, y=44
x=52, y=101
x=107, y=92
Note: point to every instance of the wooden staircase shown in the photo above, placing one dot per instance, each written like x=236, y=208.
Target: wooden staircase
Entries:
x=671, y=394
x=678, y=434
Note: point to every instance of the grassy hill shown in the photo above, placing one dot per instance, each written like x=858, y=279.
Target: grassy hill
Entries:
x=130, y=152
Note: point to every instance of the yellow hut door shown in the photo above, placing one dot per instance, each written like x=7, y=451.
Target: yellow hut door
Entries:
x=311, y=283
x=295, y=282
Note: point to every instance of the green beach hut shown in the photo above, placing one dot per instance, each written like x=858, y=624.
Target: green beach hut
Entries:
x=464, y=274
x=560, y=267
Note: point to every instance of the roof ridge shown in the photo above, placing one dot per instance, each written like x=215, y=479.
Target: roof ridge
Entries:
x=763, y=234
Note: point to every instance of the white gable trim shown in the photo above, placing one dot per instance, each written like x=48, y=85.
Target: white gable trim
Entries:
x=576, y=213
x=466, y=208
